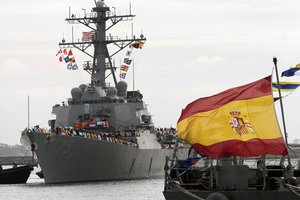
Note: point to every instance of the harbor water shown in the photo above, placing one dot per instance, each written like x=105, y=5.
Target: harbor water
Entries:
x=36, y=189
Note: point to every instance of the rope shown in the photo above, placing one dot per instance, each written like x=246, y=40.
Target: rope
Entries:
x=292, y=188
x=186, y=191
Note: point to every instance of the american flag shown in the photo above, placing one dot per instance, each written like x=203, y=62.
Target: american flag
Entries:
x=88, y=36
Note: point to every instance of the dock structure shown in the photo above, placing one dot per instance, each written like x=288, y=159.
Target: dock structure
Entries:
x=19, y=160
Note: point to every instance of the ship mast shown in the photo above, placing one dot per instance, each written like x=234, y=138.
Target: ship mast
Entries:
x=289, y=167
x=102, y=58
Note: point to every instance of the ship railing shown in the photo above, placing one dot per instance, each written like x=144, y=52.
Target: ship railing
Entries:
x=111, y=38
x=127, y=137
x=36, y=129
x=90, y=15
x=129, y=141
x=106, y=100
x=114, y=17
x=87, y=65
x=73, y=19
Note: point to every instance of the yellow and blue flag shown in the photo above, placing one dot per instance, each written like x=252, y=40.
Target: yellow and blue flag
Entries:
x=292, y=71
x=285, y=86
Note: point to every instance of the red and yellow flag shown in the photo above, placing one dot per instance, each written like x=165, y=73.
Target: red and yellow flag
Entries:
x=237, y=122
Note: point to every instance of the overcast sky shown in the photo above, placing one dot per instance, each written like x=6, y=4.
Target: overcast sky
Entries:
x=194, y=48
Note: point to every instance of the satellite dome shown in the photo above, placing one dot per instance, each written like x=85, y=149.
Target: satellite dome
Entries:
x=99, y=4
x=76, y=93
x=82, y=87
x=111, y=92
x=122, y=88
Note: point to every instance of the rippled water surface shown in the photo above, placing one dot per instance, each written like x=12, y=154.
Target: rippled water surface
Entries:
x=35, y=189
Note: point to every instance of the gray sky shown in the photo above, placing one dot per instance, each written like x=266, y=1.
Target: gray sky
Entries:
x=194, y=48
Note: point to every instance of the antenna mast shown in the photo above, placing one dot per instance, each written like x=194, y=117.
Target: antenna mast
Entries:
x=28, y=119
x=102, y=58
x=280, y=99
x=283, y=119
x=133, y=86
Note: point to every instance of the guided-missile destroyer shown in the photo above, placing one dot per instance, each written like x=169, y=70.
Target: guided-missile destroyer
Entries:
x=103, y=132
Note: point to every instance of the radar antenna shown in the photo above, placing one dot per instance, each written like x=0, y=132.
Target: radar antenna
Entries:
x=97, y=38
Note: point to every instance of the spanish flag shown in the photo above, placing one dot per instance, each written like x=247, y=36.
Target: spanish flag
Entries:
x=237, y=122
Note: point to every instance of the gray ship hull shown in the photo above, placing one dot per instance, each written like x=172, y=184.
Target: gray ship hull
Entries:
x=75, y=159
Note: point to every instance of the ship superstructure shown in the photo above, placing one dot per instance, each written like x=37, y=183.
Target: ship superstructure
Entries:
x=100, y=99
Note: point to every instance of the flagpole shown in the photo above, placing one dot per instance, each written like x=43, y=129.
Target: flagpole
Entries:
x=281, y=106
x=28, y=119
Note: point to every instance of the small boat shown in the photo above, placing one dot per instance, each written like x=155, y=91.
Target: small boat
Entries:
x=15, y=175
x=243, y=154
